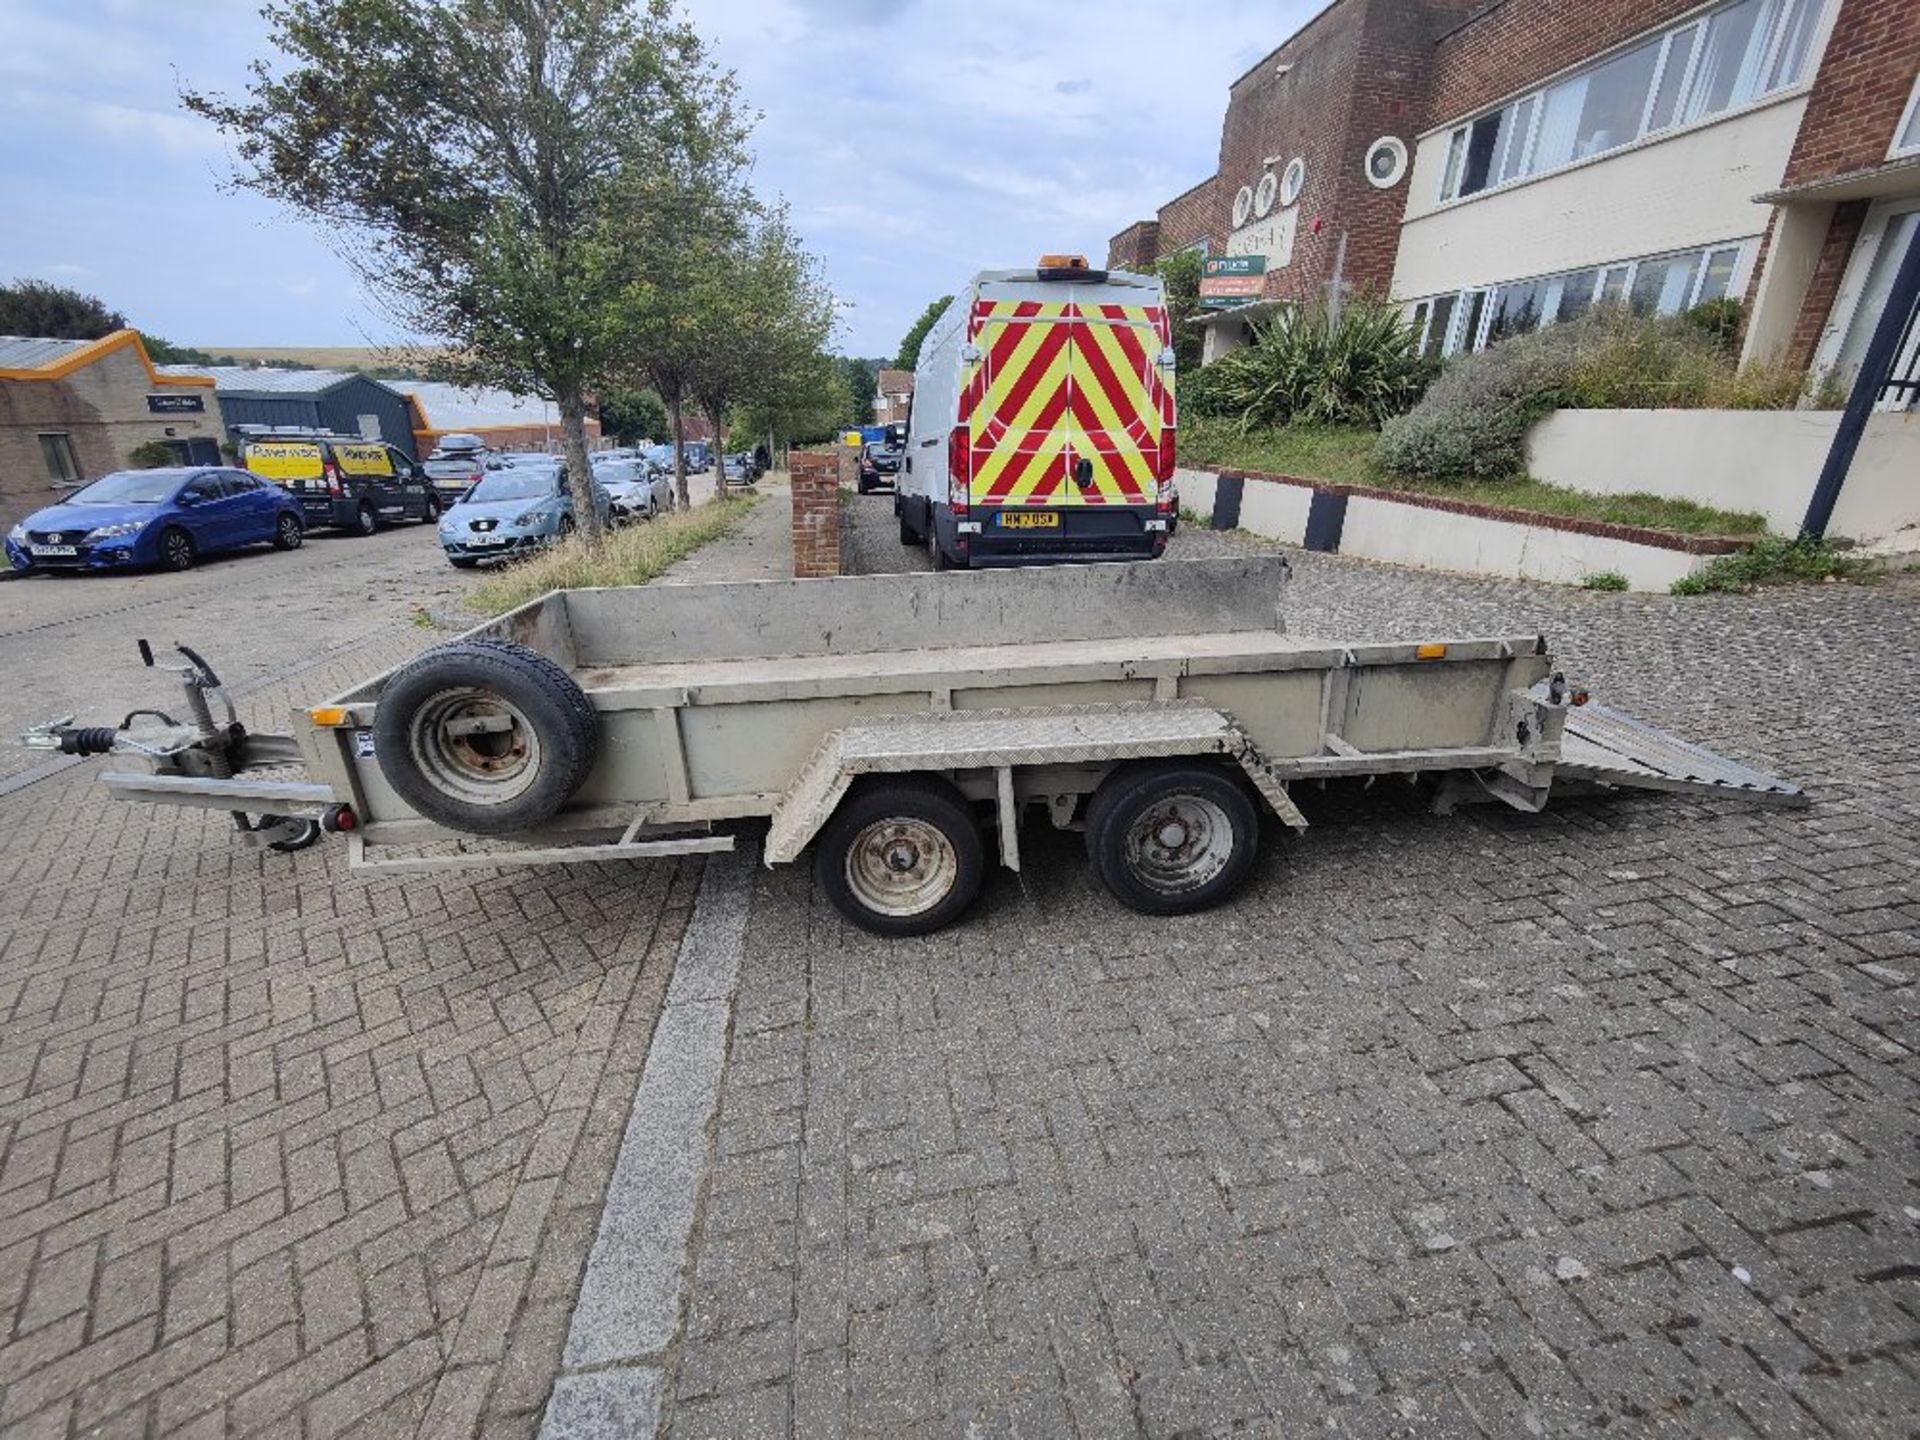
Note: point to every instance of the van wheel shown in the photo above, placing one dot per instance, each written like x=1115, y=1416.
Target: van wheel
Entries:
x=365, y=522
x=908, y=535
x=176, y=550
x=430, y=512
x=288, y=532
x=1172, y=838
x=901, y=857
x=485, y=736
x=936, y=552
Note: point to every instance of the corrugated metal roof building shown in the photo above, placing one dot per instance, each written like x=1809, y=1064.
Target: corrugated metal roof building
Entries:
x=338, y=400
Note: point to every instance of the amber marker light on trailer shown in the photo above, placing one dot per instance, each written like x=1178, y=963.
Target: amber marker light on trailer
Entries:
x=1430, y=652
x=331, y=716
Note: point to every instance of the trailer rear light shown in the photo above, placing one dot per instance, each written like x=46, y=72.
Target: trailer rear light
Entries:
x=339, y=818
x=959, y=468
x=330, y=716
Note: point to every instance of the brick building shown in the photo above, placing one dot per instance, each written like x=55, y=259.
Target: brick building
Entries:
x=1502, y=166
x=892, y=396
x=74, y=410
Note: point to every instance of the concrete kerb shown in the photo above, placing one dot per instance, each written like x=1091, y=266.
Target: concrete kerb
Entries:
x=633, y=1294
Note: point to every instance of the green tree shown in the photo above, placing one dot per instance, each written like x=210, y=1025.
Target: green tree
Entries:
x=770, y=316
x=909, y=355
x=632, y=415
x=813, y=407
x=53, y=312
x=1180, y=277
x=165, y=352
x=476, y=162
x=862, y=379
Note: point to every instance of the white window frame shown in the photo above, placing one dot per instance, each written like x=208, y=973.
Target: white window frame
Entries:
x=1894, y=148
x=1774, y=15
x=1456, y=342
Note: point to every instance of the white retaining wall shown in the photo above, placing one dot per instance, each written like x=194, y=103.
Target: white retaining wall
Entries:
x=1758, y=460
x=1480, y=545
x=1379, y=528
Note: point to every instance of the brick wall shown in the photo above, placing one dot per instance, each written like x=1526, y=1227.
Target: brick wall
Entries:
x=1195, y=215
x=1825, y=284
x=1136, y=247
x=1358, y=71
x=1514, y=43
x=816, y=512
x=1860, y=91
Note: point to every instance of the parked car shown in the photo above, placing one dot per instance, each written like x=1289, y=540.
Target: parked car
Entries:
x=510, y=512
x=879, y=465
x=168, y=518
x=635, y=491
x=456, y=465
x=342, y=480
x=740, y=469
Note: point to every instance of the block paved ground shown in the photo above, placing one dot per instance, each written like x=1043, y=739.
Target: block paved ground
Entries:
x=285, y=1151
x=1491, y=1124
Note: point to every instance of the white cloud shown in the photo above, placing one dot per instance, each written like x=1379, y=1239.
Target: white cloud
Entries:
x=174, y=132
x=65, y=269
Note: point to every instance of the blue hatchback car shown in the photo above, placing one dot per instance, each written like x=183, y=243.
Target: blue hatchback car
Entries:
x=509, y=512
x=168, y=517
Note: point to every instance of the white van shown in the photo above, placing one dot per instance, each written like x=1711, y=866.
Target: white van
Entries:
x=1042, y=425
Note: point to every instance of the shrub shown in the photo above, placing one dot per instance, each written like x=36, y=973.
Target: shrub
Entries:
x=1473, y=421
x=1718, y=320
x=1769, y=562
x=152, y=455
x=1604, y=580
x=1308, y=365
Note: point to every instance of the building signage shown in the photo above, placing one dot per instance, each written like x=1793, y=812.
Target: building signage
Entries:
x=176, y=405
x=1229, y=280
x=1271, y=239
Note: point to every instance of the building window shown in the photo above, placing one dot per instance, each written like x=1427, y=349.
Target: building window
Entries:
x=1906, y=135
x=57, y=451
x=1682, y=76
x=1653, y=285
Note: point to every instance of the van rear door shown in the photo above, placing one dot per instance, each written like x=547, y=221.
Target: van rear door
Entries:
x=1067, y=404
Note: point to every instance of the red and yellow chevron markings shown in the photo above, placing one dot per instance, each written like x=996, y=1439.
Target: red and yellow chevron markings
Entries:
x=1057, y=383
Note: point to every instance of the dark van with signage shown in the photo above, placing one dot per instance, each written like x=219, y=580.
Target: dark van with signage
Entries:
x=349, y=483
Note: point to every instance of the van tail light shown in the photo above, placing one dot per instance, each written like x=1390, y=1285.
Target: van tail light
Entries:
x=1164, y=461
x=959, y=468
x=333, y=478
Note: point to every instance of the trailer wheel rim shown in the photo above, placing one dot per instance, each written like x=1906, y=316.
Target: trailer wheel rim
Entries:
x=459, y=745
x=901, y=867
x=1180, y=842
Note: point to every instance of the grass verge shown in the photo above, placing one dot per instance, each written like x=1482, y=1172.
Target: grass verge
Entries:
x=1772, y=561
x=1345, y=456
x=631, y=555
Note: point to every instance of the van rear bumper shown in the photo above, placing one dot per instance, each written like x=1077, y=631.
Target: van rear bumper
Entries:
x=1089, y=532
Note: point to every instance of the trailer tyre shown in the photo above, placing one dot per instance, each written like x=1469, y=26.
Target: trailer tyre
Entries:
x=485, y=736
x=901, y=857
x=1170, y=839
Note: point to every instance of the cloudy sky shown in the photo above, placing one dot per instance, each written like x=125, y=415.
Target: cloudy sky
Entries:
x=917, y=141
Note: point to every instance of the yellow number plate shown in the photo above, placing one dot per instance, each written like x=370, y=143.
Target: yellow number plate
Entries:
x=1030, y=520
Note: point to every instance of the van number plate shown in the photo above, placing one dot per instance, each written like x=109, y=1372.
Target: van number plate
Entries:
x=1030, y=520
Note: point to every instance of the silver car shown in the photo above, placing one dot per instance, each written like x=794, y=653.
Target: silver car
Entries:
x=634, y=490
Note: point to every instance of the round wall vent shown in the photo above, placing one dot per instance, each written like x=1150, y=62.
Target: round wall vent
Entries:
x=1293, y=180
x=1386, y=162
x=1263, y=194
x=1242, y=204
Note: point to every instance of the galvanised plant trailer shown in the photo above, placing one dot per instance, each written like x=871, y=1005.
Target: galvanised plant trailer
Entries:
x=891, y=722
